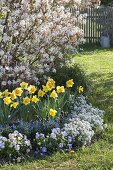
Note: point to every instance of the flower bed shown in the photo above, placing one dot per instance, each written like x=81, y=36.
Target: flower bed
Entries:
x=41, y=121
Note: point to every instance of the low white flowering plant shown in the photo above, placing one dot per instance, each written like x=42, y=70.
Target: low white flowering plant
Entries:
x=84, y=122
x=14, y=147
x=83, y=110
x=80, y=130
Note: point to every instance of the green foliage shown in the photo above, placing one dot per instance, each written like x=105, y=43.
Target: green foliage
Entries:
x=107, y=2
x=6, y=113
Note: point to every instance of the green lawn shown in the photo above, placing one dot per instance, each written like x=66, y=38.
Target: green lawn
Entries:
x=98, y=65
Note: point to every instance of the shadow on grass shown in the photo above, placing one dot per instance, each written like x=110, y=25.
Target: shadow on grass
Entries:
x=101, y=94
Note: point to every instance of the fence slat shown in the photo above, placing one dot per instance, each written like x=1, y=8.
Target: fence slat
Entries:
x=98, y=20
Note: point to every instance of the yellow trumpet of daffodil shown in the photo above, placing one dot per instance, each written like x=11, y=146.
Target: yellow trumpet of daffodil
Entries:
x=53, y=94
x=81, y=89
x=35, y=99
x=60, y=89
x=26, y=100
x=6, y=93
x=45, y=88
x=7, y=100
x=52, y=112
x=50, y=84
x=69, y=83
x=41, y=93
x=18, y=91
x=24, y=85
x=32, y=89
x=13, y=95
x=14, y=104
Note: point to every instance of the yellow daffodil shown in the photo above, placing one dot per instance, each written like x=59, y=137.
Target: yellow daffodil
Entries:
x=18, y=91
x=50, y=84
x=45, y=88
x=41, y=93
x=7, y=100
x=26, y=100
x=53, y=94
x=13, y=95
x=81, y=89
x=32, y=89
x=72, y=151
x=52, y=112
x=48, y=87
x=6, y=93
x=69, y=83
x=35, y=99
x=1, y=95
x=14, y=104
x=60, y=89
x=24, y=85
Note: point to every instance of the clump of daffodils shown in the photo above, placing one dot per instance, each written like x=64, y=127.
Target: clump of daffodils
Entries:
x=48, y=101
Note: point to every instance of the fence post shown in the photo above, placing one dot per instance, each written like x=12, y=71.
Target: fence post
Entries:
x=112, y=28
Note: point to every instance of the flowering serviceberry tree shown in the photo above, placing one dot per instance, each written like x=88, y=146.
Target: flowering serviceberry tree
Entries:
x=36, y=36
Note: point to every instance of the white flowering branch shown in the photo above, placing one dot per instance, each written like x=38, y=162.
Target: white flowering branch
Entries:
x=37, y=34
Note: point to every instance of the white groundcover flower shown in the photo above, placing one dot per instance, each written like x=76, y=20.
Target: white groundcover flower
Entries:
x=17, y=140
x=16, y=144
x=80, y=129
x=2, y=142
x=84, y=111
x=84, y=121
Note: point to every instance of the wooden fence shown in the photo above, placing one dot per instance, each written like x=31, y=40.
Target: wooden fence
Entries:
x=98, y=20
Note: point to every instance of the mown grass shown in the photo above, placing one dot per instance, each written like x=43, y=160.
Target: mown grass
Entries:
x=98, y=65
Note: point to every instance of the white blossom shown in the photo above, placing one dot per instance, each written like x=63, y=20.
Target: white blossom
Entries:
x=37, y=33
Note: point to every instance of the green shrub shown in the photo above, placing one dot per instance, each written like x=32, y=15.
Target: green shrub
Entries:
x=107, y=2
x=74, y=72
